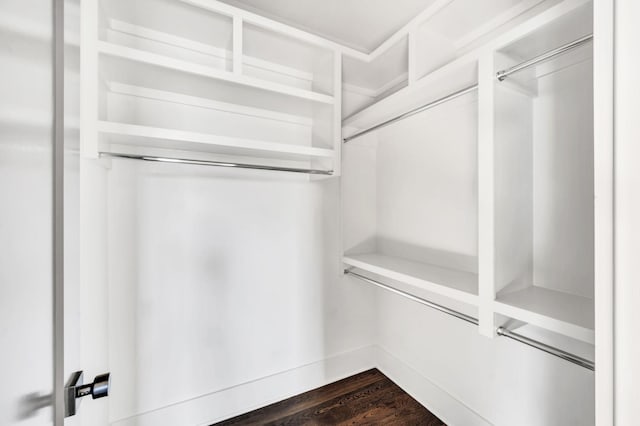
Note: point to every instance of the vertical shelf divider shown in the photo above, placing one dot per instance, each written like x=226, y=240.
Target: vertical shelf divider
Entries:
x=337, y=112
x=486, y=216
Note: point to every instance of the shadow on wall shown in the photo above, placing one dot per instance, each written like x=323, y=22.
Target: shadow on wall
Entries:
x=29, y=405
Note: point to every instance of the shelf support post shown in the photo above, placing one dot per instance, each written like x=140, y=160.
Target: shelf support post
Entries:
x=486, y=221
x=337, y=112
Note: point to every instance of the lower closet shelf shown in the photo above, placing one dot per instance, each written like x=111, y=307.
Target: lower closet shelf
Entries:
x=563, y=313
x=457, y=285
x=207, y=142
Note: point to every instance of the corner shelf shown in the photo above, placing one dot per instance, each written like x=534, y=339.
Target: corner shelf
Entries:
x=142, y=56
x=453, y=76
x=457, y=285
x=563, y=313
x=204, y=139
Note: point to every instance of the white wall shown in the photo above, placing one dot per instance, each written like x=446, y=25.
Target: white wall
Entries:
x=221, y=277
x=427, y=186
x=563, y=219
x=26, y=369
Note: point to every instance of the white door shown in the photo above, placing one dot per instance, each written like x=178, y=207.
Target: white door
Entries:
x=26, y=226
x=50, y=322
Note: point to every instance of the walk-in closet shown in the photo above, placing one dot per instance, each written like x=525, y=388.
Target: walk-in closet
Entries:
x=292, y=212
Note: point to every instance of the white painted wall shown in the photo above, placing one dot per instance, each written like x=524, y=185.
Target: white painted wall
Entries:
x=563, y=221
x=221, y=277
x=26, y=330
x=513, y=188
x=426, y=178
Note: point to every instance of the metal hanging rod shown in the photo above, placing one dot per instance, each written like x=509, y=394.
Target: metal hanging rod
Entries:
x=502, y=75
x=582, y=362
x=215, y=163
x=413, y=112
x=420, y=300
x=500, y=331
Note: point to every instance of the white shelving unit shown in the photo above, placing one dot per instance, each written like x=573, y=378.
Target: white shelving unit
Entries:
x=231, y=86
x=484, y=230
x=410, y=200
x=545, y=249
x=495, y=204
x=429, y=56
x=137, y=55
x=427, y=202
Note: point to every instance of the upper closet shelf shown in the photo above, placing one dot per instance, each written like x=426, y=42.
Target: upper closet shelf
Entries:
x=454, y=284
x=459, y=71
x=137, y=55
x=457, y=75
x=222, y=57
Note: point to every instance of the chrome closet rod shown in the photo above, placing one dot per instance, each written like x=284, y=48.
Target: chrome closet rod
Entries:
x=215, y=163
x=410, y=296
x=501, y=331
x=582, y=362
x=501, y=75
x=413, y=112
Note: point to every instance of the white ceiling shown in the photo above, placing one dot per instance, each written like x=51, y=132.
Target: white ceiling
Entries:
x=361, y=24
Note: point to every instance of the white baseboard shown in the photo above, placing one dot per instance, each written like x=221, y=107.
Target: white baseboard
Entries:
x=447, y=408
x=227, y=403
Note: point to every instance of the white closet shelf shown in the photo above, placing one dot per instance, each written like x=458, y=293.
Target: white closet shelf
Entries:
x=560, y=312
x=450, y=78
x=225, y=142
x=178, y=98
x=142, y=56
x=194, y=46
x=457, y=285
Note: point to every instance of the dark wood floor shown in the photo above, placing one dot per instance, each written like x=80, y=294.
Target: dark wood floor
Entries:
x=368, y=398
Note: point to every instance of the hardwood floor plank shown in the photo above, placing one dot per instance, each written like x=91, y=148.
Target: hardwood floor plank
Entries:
x=364, y=399
x=305, y=400
x=343, y=409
